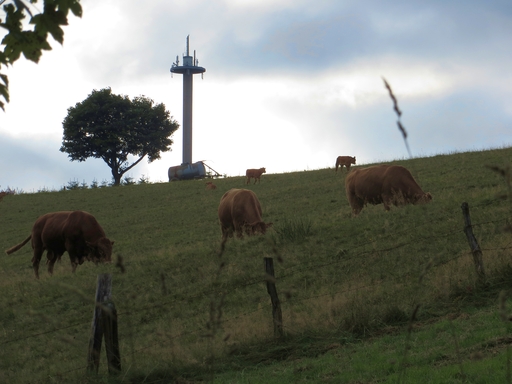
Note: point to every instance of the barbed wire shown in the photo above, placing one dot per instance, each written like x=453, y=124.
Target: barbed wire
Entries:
x=262, y=279
x=296, y=300
x=259, y=281
x=42, y=333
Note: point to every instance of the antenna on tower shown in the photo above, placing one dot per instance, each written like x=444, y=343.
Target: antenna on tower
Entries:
x=188, y=69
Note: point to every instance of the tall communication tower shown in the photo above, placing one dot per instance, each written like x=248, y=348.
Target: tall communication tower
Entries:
x=188, y=69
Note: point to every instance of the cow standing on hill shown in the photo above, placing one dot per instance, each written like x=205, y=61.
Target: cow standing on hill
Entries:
x=254, y=173
x=387, y=184
x=345, y=161
x=76, y=232
x=239, y=212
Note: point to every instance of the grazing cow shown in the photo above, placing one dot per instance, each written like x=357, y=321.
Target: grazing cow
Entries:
x=387, y=184
x=2, y=194
x=210, y=185
x=345, y=161
x=254, y=173
x=239, y=211
x=76, y=232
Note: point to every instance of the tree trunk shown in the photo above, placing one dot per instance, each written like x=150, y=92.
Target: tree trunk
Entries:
x=116, y=176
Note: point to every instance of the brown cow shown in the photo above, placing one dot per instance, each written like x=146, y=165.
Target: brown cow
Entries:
x=239, y=211
x=345, y=161
x=254, y=173
x=76, y=232
x=210, y=185
x=387, y=184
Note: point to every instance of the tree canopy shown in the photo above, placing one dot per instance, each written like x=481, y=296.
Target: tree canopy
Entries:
x=31, y=39
x=112, y=127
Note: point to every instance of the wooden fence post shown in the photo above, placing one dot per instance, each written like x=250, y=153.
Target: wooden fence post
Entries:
x=272, y=291
x=104, y=324
x=109, y=324
x=473, y=244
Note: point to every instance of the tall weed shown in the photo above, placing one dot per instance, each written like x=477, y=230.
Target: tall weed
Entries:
x=294, y=230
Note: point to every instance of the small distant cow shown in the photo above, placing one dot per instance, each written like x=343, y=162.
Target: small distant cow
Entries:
x=345, y=161
x=2, y=194
x=210, y=185
x=387, y=184
x=239, y=212
x=254, y=173
x=76, y=232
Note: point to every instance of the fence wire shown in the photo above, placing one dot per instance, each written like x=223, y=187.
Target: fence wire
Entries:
x=288, y=272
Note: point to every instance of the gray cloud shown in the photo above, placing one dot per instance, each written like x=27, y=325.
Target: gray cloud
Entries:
x=448, y=63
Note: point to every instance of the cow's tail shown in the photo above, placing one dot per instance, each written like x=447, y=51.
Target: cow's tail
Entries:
x=16, y=247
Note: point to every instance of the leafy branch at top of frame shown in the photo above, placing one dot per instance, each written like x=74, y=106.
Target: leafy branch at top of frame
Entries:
x=32, y=38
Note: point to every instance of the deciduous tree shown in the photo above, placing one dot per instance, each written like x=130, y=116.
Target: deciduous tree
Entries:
x=112, y=127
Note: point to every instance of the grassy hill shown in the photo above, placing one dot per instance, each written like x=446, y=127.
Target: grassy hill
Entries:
x=348, y=286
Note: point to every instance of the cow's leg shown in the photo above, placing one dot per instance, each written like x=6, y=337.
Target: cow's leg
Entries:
x=73, y=258
x=357, y=204
x=357, y=209
x=74, y=261
x=399, y=199
x=36, y=259
x=387, y=201
x=353, y=202
x=74, y=253
x=239, y=230
x=248, y=180
x=225, y=234
x=51, y=257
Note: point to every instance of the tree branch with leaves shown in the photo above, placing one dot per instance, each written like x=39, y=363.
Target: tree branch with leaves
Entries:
x=31, y=39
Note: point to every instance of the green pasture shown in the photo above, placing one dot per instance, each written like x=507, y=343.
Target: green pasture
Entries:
x=348, y=286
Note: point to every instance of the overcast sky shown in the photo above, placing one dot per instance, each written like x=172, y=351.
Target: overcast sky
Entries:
x=289, y=84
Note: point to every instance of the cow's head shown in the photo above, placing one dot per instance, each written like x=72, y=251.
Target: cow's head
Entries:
x=260, y=227
x=353, y=160
x=99, y=251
